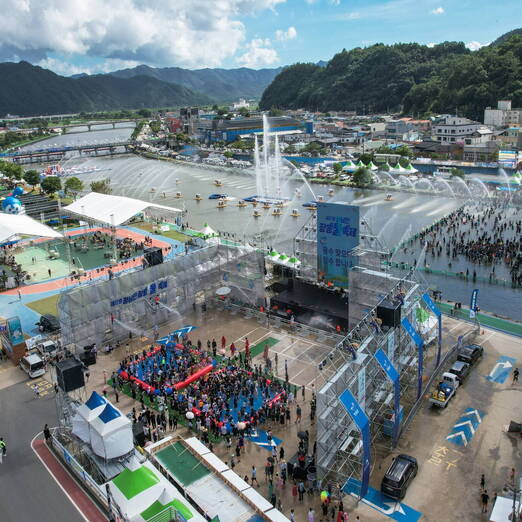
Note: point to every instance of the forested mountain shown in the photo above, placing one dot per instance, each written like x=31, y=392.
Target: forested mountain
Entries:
x=28, y=90
x=414, y=78
x=220, y=84
x=505, y=36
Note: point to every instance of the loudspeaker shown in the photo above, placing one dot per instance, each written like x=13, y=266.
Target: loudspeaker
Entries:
x=69, y=374
x=88, y=358
x=389, y=313
x=139, y=434
x=153, y=255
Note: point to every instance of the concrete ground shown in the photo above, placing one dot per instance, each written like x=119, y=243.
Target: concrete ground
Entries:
x=447, y=486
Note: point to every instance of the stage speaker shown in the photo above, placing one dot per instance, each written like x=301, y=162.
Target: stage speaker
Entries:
x=139, y=434
x=153, y=256
x=389, y=313
x=88, y=358
x=69, y=374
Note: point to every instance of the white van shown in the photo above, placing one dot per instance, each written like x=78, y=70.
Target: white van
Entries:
x=33, y=365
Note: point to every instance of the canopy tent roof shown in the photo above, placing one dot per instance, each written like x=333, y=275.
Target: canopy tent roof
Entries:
x=208, y=230
x=112, y=210
x=14, y=224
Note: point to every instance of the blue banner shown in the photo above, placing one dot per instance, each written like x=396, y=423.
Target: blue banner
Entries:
x=473, y=304
x=431, y=305
x=337, y=236
x=363, y=423
x=420, y=345
x=393, y=375
x=14, y=328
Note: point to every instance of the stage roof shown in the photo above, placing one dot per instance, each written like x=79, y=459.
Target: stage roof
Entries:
x=112, y=210
x=20, y=224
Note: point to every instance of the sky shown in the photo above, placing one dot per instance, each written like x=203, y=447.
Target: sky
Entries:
x=94, y=36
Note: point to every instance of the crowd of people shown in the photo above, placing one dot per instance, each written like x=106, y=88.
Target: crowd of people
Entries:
x=486, y=237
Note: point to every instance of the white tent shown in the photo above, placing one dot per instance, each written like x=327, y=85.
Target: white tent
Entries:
x=112, y=210
x=208, y=231
x=20, y=224
x=398, y=169
x=85, y=414
x=111, y=433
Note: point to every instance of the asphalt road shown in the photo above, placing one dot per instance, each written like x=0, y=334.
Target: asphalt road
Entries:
x=27, y=491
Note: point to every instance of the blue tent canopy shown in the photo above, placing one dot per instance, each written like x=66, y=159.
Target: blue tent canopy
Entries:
x=109, y=414
x=95, y=400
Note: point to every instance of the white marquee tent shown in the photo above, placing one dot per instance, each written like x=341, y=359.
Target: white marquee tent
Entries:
x=85, y=414
x=19, y=224
x=111, y=433
x=111, y=210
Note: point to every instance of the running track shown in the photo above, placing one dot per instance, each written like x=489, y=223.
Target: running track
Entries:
x=83, y=503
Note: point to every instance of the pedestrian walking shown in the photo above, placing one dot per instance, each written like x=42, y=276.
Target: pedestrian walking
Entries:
x=116, y=396
x=482, y=482
x=253, y=475
x=36, y=391
x=311, y=515
x=292, y=515
x=298, y=413
x=3, y=449
x=485, y=500
x=47, y=435
x=515, y=375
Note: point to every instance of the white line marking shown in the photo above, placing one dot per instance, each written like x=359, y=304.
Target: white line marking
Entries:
x=56, y=480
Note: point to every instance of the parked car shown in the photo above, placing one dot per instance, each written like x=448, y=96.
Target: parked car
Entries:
x=460, y=370
x=48, y=323
x=47, y=349
x=470, y=353
x=399, y=476
x=445, y=390
x=33, y=365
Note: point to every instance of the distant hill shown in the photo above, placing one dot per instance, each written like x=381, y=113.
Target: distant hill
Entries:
x=412, y=78
x=505, y=36
x=224, y=85
x=29, y=90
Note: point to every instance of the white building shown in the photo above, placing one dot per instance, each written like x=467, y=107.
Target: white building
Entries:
x=503, y=115
x=454, y=129
x=241, y=104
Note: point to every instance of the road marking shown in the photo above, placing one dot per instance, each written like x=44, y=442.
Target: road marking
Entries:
x=43, y=385
x=73, y=502
x=501, y=370
x=464, y=429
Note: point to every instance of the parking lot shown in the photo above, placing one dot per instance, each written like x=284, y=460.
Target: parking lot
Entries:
x=454, y=446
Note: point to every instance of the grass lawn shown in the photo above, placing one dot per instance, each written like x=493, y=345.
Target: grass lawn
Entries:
x=172, y=234
x=48, y=305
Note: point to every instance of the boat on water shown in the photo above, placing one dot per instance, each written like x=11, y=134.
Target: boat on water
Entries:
x=276, y=212
x=198, y=197
x=179, y=195
x=310, y=205
x=241, y=203
x=320, y=198
x=222, y=203
x=58, y=170
x=218, y=183
x=177, y=181
x=388, y=197
x=256, y=213
x=279, y=204
x=218, y=196
x=295, y=213
x=331, y=192
x=266, y=205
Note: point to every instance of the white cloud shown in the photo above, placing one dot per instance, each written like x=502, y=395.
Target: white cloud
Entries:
x=335, y=2
x=437, y=11
x=259, y=53
x=289, y=34
x=431, y=44
x=475, y=46
x=352, y=16
x=66, y=68
x=190, y=33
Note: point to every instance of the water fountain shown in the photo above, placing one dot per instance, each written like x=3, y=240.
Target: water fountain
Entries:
x=424, y=184
x=406, y=182
x=444, y=186
x=461, y=187
x=478, y=188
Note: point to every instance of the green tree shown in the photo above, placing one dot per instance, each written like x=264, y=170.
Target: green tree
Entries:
x=362, y=176
x=11, y=170
x=457, y=173
x=274, y=111
x=337, y=167
x=366, y=158
x=73, y=184
x=32, y=177
x=103, y=186
x=51, y=184
x=228, y=154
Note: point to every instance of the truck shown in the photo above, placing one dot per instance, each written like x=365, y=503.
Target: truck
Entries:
x=445, y=390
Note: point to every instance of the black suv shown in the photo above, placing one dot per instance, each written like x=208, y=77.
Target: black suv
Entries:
x=398, y=477
x=48, y=323
x=460, y=369
x=470, y=353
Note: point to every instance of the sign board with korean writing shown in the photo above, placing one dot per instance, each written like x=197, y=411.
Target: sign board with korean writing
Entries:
x=337, y=236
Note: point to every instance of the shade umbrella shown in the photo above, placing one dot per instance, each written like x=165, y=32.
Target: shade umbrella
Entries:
x=224, y=290
x=302, y=435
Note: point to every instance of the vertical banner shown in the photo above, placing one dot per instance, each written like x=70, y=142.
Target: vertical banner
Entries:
x=363, y=423
x=361, y=384
x=417, y=339
x=337, y=236
x=391, y=346
x=14, y=329
x=473, y=304
x=392, y=374
x=435, y=309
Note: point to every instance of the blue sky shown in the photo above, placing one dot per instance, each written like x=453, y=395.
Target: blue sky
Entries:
x=72, y=36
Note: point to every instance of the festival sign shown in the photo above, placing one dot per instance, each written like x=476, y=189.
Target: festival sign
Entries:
x=337, y=236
